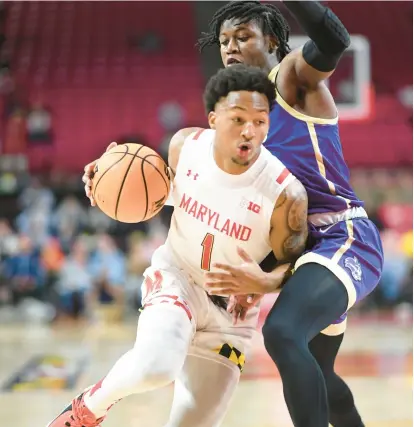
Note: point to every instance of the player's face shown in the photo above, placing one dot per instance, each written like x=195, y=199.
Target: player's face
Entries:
x=241, y=121
x=243, y=43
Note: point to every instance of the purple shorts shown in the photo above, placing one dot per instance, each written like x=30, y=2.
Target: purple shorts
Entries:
x=352, y=250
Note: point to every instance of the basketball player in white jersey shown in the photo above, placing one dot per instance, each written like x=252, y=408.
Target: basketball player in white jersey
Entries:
x=225, y=192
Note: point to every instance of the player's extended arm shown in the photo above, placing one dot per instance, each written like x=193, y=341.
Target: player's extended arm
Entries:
x=175, y=146
x=319, y=57
x=289, y=232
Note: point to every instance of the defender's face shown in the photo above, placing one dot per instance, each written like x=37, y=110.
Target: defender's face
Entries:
x=241, y=121
x=243, y=43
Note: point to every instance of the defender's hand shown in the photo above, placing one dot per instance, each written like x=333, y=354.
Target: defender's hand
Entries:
x=241, y=304
x=247, y=278
x=89, y=174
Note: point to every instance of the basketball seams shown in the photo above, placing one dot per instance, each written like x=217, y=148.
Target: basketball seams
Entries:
x=104, y=173
x=144, y=160
x=155, y=167
x=125, y=176
x=118, y=202
x=146, y=188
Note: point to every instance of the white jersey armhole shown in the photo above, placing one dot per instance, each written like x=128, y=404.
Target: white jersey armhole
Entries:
x=283, y=179
x=192, y=137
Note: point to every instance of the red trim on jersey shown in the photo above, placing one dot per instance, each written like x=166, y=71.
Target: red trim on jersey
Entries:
x=198, y=133
x=284, y=174
x=96, y=387
x=180, y=304
x=156, y=300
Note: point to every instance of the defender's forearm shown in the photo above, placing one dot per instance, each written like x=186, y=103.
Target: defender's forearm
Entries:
x=329, y=37
x=278, y=277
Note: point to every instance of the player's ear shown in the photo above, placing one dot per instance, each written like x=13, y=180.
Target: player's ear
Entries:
x=212, y=119
x=273, y=44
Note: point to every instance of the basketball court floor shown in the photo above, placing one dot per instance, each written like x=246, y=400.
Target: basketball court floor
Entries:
x=376, y=360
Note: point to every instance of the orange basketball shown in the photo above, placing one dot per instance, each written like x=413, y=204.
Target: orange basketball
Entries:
x=131, y=183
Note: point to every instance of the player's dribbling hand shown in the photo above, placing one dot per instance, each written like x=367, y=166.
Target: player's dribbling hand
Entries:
x=89, y=173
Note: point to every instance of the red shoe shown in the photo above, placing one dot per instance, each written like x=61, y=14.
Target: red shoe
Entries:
x=76, y=415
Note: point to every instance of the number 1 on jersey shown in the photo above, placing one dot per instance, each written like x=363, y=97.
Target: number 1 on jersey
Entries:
x=207, y=245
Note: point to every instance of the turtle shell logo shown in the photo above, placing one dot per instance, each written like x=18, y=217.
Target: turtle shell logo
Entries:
x=354, y=266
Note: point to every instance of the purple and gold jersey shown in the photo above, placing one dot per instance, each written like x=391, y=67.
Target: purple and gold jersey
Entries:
x=341, y=237
x=311, y=149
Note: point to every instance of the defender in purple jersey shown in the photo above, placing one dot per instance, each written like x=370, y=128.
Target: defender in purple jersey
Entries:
x=343, y=262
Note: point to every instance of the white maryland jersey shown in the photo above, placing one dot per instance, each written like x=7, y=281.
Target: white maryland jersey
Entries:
x=214, y=212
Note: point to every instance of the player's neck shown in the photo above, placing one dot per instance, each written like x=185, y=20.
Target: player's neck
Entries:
x=271, y=63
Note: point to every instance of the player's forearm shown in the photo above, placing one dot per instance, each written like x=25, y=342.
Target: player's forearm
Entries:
x=290, y=249
x=329, y=37
x=278, y=277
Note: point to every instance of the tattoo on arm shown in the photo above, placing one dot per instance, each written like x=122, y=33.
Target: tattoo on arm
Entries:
x=297, y=216
x=281, y=199
x=294, y=244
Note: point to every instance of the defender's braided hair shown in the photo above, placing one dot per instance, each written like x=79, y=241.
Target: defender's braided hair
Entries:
x=266, y=15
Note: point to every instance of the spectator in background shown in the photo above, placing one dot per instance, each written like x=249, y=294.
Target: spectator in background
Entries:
x=24, y=272
x=395, y=270
x=35, y=223
x=9, y=246
x=98, y=221
x=39, y=125
x=9, y=241
x=138, y=260
x=108, y=269
x=70, y=215
x=35, y=219
x=75, y=283
x=52, y=259
x=35, y=194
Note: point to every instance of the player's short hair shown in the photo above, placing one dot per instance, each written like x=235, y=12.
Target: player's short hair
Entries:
x=268, y=17
x=238, y=77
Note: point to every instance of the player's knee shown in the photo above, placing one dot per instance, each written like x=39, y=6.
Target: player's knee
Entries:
x=279, y=335
x=159, y=377
x=155, y=367
x=159, y=370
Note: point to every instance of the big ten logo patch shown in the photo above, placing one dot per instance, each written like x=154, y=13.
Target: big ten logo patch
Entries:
x=254, y=207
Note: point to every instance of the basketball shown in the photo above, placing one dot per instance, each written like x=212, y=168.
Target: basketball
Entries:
x=131, y=183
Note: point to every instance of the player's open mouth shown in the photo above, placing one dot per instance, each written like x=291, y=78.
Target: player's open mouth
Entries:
x=244, y=149
x=232, y=61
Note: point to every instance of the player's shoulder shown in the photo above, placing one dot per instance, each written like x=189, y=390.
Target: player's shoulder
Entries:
x=185, y=141
x=181, y=135
x=295, y=190
x=275, y=176
x=176, y=145
x=200, y=134
x=192, y=135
